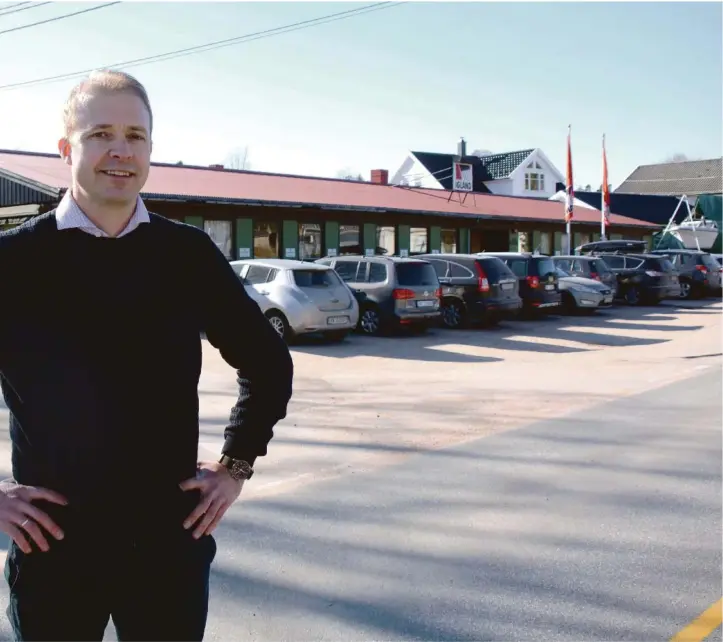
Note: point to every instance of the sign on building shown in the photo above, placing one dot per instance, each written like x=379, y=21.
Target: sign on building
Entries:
x=461, y=177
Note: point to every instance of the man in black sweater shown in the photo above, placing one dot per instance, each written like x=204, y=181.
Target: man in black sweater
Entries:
x=109, y=512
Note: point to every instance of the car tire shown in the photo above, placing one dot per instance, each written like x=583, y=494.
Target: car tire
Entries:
x=686, y=290
x=454, y=315
x=632, y=296
x=279, y=323
x=370, y=321
x=569, y=306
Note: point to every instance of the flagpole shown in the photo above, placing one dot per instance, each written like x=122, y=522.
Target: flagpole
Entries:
x=602, y=193
x=570, y=193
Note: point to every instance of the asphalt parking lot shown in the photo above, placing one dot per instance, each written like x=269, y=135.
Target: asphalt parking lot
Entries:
x=352, y=498
x=370, y=401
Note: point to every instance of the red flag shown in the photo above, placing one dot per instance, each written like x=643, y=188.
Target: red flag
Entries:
x=605, y=189
x=569, y=190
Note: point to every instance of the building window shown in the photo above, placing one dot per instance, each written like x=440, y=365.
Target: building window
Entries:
x=266, y=240
x=220, y=233
x=418, y=240
x=349, y=239
x=386, y=240
x=534, y=179
x=545, y=243
x=309, y=241
x=449, y=241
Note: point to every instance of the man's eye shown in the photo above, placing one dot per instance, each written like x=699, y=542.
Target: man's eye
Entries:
x=138, y=136
x=99, y=135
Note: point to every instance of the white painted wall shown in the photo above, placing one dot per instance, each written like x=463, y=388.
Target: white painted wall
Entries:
x=503, y=187
x=519, y=179
x=416, y=174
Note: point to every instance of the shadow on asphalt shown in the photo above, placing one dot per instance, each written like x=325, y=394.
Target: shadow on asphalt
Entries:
x=586, y=528
x=616, y=327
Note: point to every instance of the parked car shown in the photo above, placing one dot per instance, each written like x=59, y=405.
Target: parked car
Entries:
x=643, y=278
x=300, y=298
x=589, y=267
x=699, y=274
x=475, y=289
x=400, y=292
x=537, y=277
x=582, y=295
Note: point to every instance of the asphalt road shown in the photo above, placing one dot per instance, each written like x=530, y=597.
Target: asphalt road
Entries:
x=604, y=525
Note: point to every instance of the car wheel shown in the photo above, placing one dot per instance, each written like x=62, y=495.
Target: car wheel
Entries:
x=370, y=321
x=453, y=315
x=279, y=323
x=632, y=296
x=569, y=305
x=686, y=291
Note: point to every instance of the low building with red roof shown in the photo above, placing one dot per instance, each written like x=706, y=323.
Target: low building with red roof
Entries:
x=262, y=214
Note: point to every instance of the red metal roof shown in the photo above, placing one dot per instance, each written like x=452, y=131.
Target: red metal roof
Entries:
x=200, y=183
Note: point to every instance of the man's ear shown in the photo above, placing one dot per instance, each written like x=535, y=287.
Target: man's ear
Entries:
x=64, y=149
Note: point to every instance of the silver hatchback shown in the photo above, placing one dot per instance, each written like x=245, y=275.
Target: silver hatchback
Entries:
x=300, y=298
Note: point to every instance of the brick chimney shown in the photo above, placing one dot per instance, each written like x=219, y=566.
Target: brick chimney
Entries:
x=215, y=166
x=380, y=176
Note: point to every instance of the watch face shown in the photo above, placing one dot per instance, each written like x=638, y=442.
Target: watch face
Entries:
x=240, y=470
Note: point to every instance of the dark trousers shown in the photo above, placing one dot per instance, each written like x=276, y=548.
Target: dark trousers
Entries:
x=154, y=588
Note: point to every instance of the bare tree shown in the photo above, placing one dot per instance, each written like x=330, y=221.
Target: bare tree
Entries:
x=348, y=175
x=238, y=159
x=677, y=158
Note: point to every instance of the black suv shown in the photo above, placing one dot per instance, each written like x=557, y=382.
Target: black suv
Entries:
x=643, y=278
x=475, y=289
x=698, y=272
x=400, y=292
x=537, y=276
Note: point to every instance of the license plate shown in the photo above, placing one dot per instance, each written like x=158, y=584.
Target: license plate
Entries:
x=608, y=299
x=508, y=286
x=337, y=320
x=425, y=304
x=550, y=286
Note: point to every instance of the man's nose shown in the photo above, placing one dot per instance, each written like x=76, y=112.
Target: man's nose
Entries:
x=121, y=148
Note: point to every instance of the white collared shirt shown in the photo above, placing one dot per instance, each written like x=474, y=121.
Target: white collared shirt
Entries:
x=69, y=216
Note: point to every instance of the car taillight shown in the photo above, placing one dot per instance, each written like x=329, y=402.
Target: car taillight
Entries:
x=533, y=281
x=702, y=268
x=483, y=284
x=438, y=293
x=402, y=294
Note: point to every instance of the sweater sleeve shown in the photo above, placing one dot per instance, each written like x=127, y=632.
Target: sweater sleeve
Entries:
x=236, y=327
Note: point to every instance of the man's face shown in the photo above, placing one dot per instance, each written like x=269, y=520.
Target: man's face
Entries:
x=109, y=148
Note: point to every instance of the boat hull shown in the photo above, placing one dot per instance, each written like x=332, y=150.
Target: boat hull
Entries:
x=706, y=238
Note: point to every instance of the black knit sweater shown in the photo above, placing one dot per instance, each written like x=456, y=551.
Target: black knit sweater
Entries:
x=100, y=358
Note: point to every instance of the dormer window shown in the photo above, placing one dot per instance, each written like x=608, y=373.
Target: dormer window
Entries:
x=534, y=178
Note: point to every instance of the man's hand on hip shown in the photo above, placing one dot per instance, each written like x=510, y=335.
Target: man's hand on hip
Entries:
x=20, y=518
x=218, y=491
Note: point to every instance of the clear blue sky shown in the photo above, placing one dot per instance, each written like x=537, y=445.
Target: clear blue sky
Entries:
x=360, y=93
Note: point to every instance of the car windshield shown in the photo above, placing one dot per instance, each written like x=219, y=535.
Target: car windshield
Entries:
x=416, y=274
x=545, y=267
x=710, y=262
x=316, y=278
x=560, y=272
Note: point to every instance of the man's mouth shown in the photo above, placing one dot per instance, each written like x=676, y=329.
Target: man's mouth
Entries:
x=117, y=172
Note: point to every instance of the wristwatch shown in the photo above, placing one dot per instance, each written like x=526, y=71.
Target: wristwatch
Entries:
x=237, y=468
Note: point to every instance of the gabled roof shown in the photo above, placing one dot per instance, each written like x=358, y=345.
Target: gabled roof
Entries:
x=485, y=168
x=203, y=184
x=675, y=179
x=440, y=166
x=644, y=207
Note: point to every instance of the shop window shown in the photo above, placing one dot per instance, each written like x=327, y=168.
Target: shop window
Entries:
x=221, y=234
x=266, y=240
x=386, y=240
x=350, y=239
x=449, y=241
x=545, y=243
x=309, y=241
x=418, y=240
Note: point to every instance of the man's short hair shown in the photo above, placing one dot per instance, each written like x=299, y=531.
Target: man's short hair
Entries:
x=103, y=80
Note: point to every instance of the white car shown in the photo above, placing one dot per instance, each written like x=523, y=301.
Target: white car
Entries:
x=299, y=297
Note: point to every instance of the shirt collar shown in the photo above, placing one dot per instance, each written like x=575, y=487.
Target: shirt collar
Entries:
x=69, y=216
